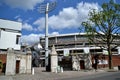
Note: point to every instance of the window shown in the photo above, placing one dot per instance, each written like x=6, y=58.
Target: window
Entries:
x=17, y=39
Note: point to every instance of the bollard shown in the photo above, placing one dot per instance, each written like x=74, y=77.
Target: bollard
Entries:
x=33, y=72
x=118, y=67
x=61, y=69
x=56, y=70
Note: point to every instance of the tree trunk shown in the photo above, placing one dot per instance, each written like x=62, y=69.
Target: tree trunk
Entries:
x=110, y=57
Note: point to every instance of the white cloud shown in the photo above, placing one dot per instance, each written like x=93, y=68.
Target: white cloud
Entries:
x=69, y=17
x=24, y=4
x=30, y=39
x=18, y=18
x=27, y=26
x=40, y=23
x=65, y=19
x=33, y=38
x=54, y=33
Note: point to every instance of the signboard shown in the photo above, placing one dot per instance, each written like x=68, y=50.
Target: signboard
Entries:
x=102, y=62
x=86, y=50
x=105, y=52
x=118, y=50
x=66, y=52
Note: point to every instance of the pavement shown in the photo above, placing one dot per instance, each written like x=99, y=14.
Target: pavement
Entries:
x=41, y=74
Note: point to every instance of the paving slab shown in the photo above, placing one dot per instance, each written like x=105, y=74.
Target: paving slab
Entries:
x=41, y=74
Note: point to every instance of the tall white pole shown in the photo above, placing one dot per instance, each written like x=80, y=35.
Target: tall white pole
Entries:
x=46, y=36
x=45, y=9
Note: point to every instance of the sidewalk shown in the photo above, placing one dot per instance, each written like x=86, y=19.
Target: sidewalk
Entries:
x=40, y=74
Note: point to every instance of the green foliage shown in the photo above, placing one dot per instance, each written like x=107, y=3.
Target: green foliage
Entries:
x=1, y=64
x=104, y=23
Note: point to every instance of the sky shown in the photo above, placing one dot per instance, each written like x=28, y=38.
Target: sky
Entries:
x=65, y=18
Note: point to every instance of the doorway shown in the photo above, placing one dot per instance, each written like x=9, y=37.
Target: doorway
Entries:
x=17, y=66
x=66, y=63
x=82, y=64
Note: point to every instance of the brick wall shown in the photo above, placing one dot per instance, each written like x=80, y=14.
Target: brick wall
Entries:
x=115, y=60
x=3, y=57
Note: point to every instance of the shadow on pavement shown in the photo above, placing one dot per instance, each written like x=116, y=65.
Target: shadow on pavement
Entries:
x=117, y=79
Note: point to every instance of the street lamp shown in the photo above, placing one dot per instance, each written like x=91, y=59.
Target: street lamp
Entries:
x=45, y=9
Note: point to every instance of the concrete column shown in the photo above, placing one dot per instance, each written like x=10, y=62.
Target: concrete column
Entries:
x=54, y=59
x=88, y=62
x=23, y=64
x=11, y=62
x=28, y=62
x=75, y=63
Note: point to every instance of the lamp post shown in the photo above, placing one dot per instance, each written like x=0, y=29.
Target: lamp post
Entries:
x=45, y=9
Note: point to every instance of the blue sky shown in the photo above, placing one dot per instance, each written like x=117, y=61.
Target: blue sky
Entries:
x=65, y=18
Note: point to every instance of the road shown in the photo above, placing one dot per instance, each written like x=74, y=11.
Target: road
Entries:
x=103, y=76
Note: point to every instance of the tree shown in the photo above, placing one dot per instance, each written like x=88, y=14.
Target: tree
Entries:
x=103, y=27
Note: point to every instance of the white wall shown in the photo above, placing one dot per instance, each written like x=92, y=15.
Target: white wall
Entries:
x=8, y=34
x=8, y=40
x=7, y=24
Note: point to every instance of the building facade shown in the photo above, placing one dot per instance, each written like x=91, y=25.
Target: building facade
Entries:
x=75, y=52
x=10, y=32
x=14, y=60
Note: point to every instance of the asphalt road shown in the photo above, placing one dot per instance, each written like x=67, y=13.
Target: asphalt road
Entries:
x=103, y=76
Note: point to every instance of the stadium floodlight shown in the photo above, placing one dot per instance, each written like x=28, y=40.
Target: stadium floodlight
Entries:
x=45, y=8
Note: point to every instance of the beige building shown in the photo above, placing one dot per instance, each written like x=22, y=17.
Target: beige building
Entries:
x=21, y=62
x=14, y=61
x=75, y=52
